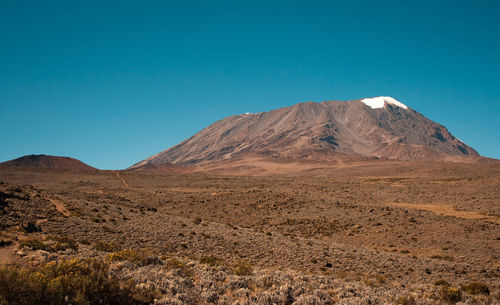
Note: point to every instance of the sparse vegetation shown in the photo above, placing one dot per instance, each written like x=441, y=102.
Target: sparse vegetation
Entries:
x=105, y=246
x=406, y=300
x=85, y=241
x=52, y=243
x=210, y=260
x=378, y=281
x=476, y=288
x=34, y=244
x=174, y=263
x=441, y=282
x=332, y=240
x=180, y=266
x=450, y=294
x=140, y=257
x=65, y=282
x=243, y=268
x=31, y=227
x=63, y=242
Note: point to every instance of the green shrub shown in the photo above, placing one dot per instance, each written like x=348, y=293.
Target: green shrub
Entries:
x=381, y=279
x=75, y=282
x=123, y=255
x=210, y=260
x=106, y=247
x=441, y=282
x=451, y=295
x=406, y=300
x=243, y=268
x=34, y=244
x=173, y=263
x=378, y=281
x=476, y=288
x=63, y=243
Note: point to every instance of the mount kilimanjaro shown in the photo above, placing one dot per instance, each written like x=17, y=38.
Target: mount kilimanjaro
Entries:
x=371, y=128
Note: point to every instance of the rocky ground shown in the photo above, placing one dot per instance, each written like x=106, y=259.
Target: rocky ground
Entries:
x=203, y=239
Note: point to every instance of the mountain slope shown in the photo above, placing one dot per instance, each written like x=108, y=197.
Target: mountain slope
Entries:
x=47, y=162
x=379, y=127
x=166, y=167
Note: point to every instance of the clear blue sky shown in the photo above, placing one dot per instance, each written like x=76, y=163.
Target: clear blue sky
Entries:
x=113, y=82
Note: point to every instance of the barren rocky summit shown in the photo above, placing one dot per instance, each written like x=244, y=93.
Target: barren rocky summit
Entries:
x=379, y=127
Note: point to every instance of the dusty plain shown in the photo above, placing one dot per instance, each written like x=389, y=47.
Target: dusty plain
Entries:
x=393, y=234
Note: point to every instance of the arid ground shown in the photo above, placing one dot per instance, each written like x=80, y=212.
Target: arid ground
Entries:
x=396, y=236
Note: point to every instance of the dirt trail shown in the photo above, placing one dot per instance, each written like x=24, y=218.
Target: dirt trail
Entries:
x=6, y=256
x=60, y=207
x=125, y=184
x=448, y=210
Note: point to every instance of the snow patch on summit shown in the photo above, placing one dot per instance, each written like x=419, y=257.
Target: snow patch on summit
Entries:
x=379, y=102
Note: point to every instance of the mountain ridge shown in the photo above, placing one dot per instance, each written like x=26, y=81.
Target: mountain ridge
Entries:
x=379, y=127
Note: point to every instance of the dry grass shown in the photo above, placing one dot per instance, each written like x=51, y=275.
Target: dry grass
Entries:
x=105, y=246
x=65, y=282
x=476, y=288
x=243, y=268
x=341, y=234
x=140, y=257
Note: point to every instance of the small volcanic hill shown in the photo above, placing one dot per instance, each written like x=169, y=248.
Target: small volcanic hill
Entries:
x=378, y=128
x=47, y=162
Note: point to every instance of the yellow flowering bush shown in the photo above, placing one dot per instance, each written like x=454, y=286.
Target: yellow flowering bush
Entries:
x=66, y=282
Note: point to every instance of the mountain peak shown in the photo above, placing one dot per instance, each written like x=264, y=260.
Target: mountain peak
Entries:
x=318, y=130
x=380, y=101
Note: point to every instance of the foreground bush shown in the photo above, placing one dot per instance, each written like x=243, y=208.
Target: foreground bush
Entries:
x=210, y=260
x=34, y=244
x=106, y=247
x=63, y=242
x=52, y=243
x=406, y=300
x=451, y=295
x=243, y=268
x=65, y=282
x=476, y=288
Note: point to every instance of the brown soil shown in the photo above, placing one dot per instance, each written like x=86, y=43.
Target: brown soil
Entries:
x=376, y=233
x=7, y=256
x=339, y=165
x=449, y=210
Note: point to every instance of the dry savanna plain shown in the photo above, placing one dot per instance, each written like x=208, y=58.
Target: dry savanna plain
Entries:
x=397, y=235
